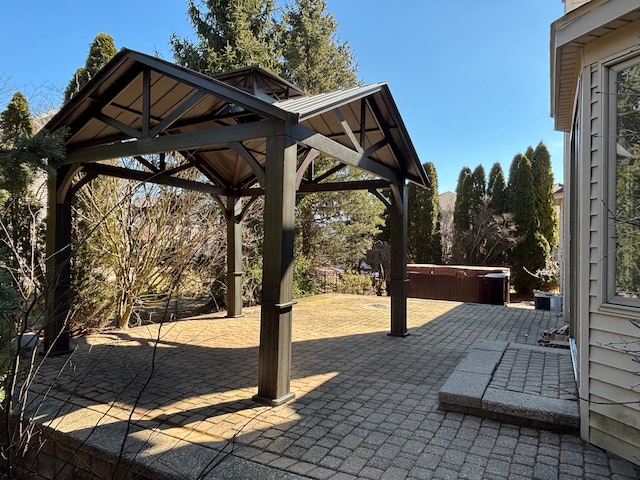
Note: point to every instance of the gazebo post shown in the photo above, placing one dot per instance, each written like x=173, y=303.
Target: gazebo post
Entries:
x=234, y=256
x=274, y=369
x=58, y=289
x=398, y=223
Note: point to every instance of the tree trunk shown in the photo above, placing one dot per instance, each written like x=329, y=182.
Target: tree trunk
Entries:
x=125, y=310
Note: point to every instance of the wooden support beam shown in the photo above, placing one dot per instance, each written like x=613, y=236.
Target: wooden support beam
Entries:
x=177, y=113
x=58, y=290
x=399, y=281
x=118, y=125
x=146, y=102
x=375, y=147
x=147, y=163
x=233, y=212
x=384, y=127
x=328, y=173
x=176, y=142
x=247, y=204
x=343, y=154
x=371, y=185
x=304, y=165
x=65, y=184
x=246, y=155
x=274, y=372
x=160, y=178
x=385, y=201
x=75, y=188
x=348, y=131
x=363, y=121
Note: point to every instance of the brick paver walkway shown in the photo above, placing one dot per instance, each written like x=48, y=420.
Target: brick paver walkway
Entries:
x=366, y=403
x=536, y=372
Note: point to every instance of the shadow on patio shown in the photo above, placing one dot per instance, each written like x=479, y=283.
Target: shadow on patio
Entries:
x=366, y=403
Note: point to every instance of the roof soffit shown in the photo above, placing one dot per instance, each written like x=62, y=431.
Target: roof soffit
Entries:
x=569, y=35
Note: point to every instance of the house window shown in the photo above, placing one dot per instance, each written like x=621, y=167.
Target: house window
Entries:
x=624, y=206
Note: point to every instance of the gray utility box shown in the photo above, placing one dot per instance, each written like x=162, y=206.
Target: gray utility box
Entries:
x=548, y=301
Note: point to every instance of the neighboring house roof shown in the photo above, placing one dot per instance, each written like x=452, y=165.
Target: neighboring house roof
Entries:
x=447, y=202
x=138, y=105
x=558, y=188
x=558, y=193
x=39, y=121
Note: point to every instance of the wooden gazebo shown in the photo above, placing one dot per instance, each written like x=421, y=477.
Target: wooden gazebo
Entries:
x=249, y=133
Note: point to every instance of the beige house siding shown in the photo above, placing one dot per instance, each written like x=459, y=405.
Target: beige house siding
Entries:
x=607, y=378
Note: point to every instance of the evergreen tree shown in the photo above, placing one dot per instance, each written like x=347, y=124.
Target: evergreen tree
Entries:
x=332, y=228
x=464, y=201
x=531, y=255
x=15, y=128
x=513, y=173
x=497, y=190
x=479, y=182
x=529, y=152
x=543, y=179
x=22, y=157
x=15, y=177
x=85, y=262
x=230, y=35
x=493, y=173
x=313, y=58
x=15, y=121
x=314, y=61
x=482, y=235
x=479, y=190
x=423, y=243
x=513, y=167
x=101, y=50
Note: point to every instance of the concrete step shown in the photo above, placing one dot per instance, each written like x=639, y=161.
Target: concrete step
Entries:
x=472, y=389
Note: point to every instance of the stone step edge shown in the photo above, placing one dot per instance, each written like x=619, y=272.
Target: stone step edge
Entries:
x=467, y=390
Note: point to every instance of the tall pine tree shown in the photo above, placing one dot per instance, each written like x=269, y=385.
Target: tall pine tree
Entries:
x=315, y=60
x=22, y=156
x=303, y=47
x=529, y=256
x=465, y=199
x=17, y=202
x=101, y=50
x=230, y=35
x=85, y=262
x=479, y=183
x=15, y=121
x=313, y=57
x=479, y=191
x=543, y=179
x=497, y=189
x=423, y=241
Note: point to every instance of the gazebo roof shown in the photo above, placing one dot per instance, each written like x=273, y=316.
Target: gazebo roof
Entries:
x=245, y=133
x=139, y=105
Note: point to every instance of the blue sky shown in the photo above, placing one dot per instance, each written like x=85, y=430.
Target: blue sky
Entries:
x=471, y=79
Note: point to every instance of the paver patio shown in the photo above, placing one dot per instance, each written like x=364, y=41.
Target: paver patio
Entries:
x=366, y=403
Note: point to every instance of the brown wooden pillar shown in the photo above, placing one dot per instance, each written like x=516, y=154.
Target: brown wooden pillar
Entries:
x=399, y=280
x=234, y=257
x=58, y=291
x=274, y=370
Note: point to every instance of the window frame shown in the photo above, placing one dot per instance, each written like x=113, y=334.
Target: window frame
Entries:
x=610, y=181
